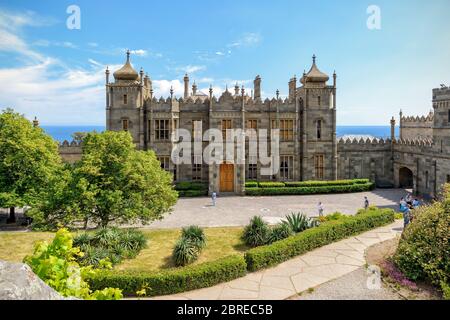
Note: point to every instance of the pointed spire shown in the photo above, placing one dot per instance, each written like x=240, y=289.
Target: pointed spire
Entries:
x=314, y=58
x=35, y=122
x=277, y=93
x=210, y=90
x=242, y=90
x=171, y=92
x=128, y=55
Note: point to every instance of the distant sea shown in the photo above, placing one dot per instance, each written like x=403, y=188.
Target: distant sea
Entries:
x=61, y=133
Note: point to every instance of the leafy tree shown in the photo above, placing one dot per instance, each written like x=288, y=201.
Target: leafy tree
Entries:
x=29, y=161
x=115, y=182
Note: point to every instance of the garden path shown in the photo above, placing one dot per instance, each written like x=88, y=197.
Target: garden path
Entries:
x=298, y=274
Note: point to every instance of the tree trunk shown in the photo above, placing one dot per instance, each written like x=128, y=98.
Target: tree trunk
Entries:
x=86, y=220
x=12, y=215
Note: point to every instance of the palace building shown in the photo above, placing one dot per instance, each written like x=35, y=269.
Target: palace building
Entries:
x=306, y=119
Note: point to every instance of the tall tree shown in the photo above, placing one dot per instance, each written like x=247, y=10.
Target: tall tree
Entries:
x=115, y=182
x=29, y=160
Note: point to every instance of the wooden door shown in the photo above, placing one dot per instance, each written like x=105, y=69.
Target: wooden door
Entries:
x=226, y=177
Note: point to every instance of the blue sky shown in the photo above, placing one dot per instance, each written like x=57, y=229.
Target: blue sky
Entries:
x=57, y=74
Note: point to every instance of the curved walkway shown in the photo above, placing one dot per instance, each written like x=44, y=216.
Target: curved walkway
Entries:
x=298, y=274
x=237, y=211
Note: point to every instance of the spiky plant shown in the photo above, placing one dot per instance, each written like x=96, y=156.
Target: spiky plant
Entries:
x=279, y=232
x=196, y=235
x=184, y=252
x=256, y=233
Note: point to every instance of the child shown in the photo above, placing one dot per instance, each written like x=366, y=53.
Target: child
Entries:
x=320, y=209
x=366, y=203
x=213, y=198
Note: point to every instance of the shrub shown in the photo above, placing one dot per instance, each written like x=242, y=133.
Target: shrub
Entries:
x=173, y=280
x=56, y=265
x=270, y=191
x=279, y=232
x=256, y=233
x=423, y=252
x=271, y=185
x=251, y=184
x=335, y=216
x=298, y=222
x=194, y=234
x=266, y=256
x=185, y=252
x=112, y=243
x=187, y=185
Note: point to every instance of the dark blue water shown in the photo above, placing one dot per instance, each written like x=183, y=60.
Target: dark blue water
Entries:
x=61, y=133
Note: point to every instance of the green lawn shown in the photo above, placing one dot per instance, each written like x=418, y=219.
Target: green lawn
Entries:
x=221, y=242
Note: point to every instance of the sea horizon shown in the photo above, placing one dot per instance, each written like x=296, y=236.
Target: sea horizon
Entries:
x=64, y=132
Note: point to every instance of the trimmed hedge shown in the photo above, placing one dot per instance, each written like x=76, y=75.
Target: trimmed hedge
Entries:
x=191, y=189
x=326, y=233
x=174, y=280
x=359, y=187
x=251, y=184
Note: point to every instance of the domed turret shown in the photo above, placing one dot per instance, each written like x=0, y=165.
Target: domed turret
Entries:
x=126, y=72
x=314, y=74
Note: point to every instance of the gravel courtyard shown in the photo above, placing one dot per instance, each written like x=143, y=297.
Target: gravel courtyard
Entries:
x=237, y=211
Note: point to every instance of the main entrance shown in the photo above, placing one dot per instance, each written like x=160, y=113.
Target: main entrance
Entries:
x=406, y=178
x=227, y=177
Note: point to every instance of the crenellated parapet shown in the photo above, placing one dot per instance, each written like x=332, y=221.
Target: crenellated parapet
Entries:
x=70, y=151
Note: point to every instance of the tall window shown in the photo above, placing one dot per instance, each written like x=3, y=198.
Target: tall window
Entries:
x=252, y=171
x=319, y=129
x=318, y=101
x=162, y=129
x=427, y=182
x=196, y=172
x=125, y=124
x=226, y=124
x=448, y=116
x=318, y=165
x=252, y=124
x=125, y=99
x=197, y=130
x=165, y=163
x=286, y=167
x=286, y=129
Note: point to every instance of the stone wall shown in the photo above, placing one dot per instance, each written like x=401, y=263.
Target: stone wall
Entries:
x=70, y=152
x=417, y=127
x=370, y=158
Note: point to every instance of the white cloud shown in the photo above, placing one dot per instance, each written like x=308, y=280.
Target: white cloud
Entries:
x=139, y=52
x=248, y=39
x=93, y=44
x=190, y=69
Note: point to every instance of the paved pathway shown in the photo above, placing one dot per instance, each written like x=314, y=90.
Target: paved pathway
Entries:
x=237, y=211
x=298, y=274
x=352, y=286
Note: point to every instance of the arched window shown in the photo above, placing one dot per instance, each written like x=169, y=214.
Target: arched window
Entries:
x=318, y=101
x=125, y=99
x=319, y=129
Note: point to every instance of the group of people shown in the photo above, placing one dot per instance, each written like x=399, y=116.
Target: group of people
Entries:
x=407, y=204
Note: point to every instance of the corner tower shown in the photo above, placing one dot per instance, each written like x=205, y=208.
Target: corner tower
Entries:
x=125, y=99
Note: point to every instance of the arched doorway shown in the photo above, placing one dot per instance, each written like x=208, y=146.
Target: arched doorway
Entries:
x=406, y=178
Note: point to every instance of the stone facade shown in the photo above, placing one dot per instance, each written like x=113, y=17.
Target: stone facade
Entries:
x=309, y=150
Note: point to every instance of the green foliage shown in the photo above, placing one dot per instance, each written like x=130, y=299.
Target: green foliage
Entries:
x=272, y=191
x=188, y=247
x=185, y=252
x=115, y=182
x=328, y=232
x=29, y=161
x=56, y=265
x=299, y=222
x=279, y=232
x=256, y=233
x=335, y=216
x=195, y=234
x=398, y=216
x=191, y=189
x=174, y=280
x=271, y=184
x=424, y=248
x=251, y=184
x=109, y=243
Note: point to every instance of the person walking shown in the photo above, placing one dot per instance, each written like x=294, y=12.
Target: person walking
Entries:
x=366, y=203
x=213, y=198
x=320, y=209
x=405, y=210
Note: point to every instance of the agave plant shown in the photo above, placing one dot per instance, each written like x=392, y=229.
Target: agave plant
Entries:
x=279, y=232
x=196, y=235
x=257, y=233
x=299, y=222
x=184, y=252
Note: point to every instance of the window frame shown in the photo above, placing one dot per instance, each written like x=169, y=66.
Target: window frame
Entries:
x=286, y=168
x=319, y=167
x=162, y=133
